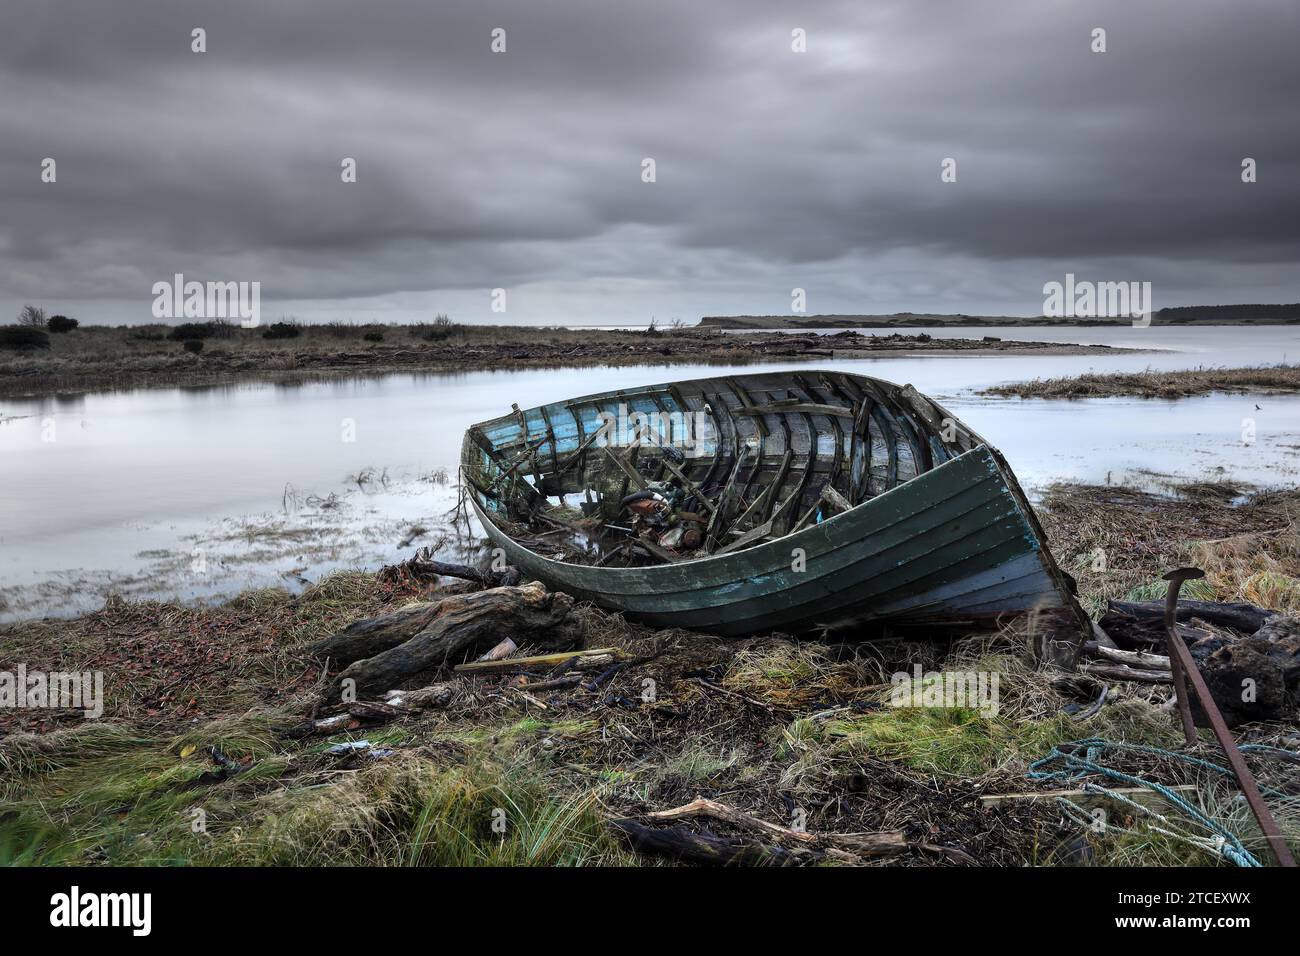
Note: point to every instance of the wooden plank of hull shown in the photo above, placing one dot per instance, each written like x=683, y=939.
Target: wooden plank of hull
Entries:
x=887, y=524
x=505, y=435
x=954, y=541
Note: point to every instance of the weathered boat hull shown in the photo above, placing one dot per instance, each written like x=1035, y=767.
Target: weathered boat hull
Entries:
x=953, y=544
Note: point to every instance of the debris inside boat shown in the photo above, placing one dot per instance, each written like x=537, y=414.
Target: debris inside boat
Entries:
x=792, y=501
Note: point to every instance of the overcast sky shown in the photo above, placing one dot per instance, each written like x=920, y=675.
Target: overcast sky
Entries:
x=523, y=170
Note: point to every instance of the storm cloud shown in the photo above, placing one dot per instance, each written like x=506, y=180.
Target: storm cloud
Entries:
x=523, y=170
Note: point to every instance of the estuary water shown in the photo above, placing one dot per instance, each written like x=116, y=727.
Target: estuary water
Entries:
x=199, y=493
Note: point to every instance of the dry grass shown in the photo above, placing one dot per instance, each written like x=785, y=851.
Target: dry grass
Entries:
x=166, y=662
x=1118, y=541
x=787, y=730
x=1150, y=384
x=719, y=722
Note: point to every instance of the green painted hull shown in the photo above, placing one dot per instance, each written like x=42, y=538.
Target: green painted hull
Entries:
x=956, y=543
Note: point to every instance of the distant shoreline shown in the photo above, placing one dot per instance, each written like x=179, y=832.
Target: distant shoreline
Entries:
x=100, y=358
x=1211, y=315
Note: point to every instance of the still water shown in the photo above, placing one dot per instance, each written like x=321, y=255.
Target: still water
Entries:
x=201, y=493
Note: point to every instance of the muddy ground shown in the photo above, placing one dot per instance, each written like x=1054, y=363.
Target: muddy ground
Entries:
x=205, y=709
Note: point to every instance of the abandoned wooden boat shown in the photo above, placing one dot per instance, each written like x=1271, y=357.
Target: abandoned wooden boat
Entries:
x=792, y=501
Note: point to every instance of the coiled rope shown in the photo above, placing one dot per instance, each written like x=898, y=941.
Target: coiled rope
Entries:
x=1066, y=763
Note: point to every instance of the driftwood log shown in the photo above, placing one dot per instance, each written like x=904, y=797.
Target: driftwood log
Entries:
x=487, y=577
x=1140, y=659
x=709, y=849
x=847, y=847
x=369, y=713
x=1248, y=655
x=704, y=847
x=424, y=567
x=680, y=843
x=1143, y=622
x=375, y=634
x=448, y=632
x=1124, y=672
x=421, y=698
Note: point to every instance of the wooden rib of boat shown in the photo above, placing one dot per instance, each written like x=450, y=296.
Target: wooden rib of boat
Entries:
x=828, y=500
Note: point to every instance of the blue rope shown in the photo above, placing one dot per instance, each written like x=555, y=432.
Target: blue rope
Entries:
x=1074, y=767
x=1290, y=755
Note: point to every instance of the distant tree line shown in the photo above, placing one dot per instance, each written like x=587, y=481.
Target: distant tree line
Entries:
x=1255, y=313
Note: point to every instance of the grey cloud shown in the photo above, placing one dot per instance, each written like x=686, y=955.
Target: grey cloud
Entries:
x=517, y=170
